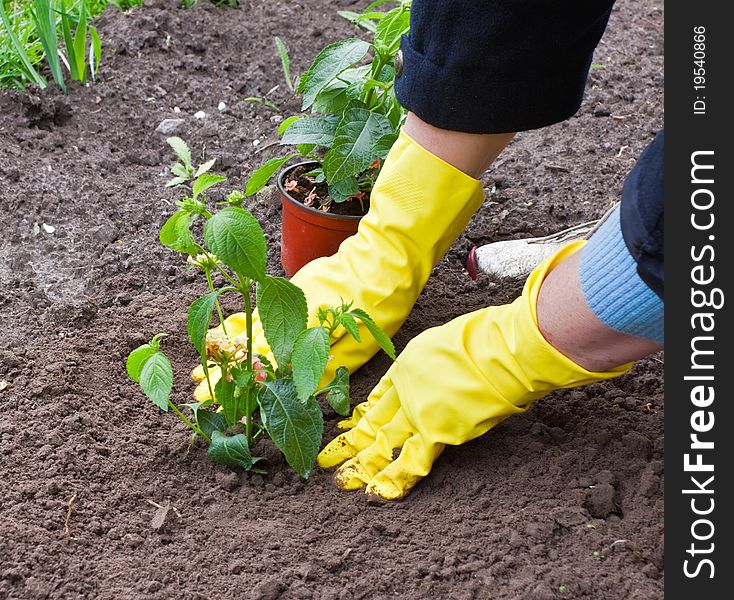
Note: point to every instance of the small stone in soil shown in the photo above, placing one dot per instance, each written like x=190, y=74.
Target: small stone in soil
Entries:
x=169, y=126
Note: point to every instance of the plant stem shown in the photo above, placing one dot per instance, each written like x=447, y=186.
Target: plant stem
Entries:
x=249, y=406
x=193, y=427
x=208, y=274
x=380, y=62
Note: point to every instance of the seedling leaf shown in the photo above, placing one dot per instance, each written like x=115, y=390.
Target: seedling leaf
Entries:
x=137, y=359
x=210, y=422
x=339, y=191
x=233, y=405
x=203, y=168
x=231, y=450
x=283, y=313
x=309, y=358
x=350, y=324
x=262, y=175
x=295, y=428
x=176, y=233
x=235, y=236
x=391, y=29
x=338, y=395
x=286, y=123
x=181, y=149
x=198, y=319
x=354, y=143
x=330, y=62
x=204, y=182
x=285, y=61
x=380, y=336
x=312, y=130
x=156, y=379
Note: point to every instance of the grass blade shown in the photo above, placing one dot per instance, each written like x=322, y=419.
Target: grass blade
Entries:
x=68, y=41
x=80, y=42
x=95, y=52
x=285, y=61
x=45, y=22
x=28, y=68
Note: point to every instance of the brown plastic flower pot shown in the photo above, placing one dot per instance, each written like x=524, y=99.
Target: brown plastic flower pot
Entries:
x=308, y=233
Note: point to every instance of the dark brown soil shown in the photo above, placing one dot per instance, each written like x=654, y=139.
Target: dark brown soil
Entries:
x=563, y=502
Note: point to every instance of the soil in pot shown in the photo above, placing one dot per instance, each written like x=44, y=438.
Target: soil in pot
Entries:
x=310, y=193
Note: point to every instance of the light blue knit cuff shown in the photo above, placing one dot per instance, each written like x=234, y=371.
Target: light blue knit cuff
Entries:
x=612, y=287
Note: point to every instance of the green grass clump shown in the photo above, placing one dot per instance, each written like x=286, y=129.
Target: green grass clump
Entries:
x=51, y=36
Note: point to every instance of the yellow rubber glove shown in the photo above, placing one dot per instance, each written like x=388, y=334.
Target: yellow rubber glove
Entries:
x=450, y=385
x=418, y=207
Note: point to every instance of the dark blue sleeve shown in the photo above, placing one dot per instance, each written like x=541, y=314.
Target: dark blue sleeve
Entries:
x=498, y=66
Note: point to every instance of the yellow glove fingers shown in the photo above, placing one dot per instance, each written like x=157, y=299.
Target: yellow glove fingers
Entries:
x=202, y=392
x=363, y=434
x=400, y=476
x=235, y=324
x=361, y=409
x=358, y=412
x=336, y=452
x=198, y=373
x=358, y=471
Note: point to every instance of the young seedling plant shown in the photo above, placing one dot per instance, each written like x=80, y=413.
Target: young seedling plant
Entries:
x=355, y=116
x=252, y=394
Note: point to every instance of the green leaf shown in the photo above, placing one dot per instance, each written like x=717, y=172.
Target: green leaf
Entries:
x=95, y=52
x=312, y=130
x=197, y=407
x=380, y=336
x=358, y=20
x=210, y=422
x=330, y=62
x=176, y=181
x=285, y=61
x=286, y=123
x=20, y=50
x=204, y=182
x=80, y=42
x=338, y=395
x=309, y=358
x=203, y=168
x=333, y=97
x=262, y=175
x=199, y=317
x=181, y=149
x=391, y=29
x=295, y=428
x=179, y=170
x=137, y=359
x=68, y=41
x=235, y=236
x=349, y=323
x=156, y=379
x=354, y=143
x=384, y=144
x=44, y=18
x=232, y=403
x=231, y=450
x=340, y=191
x=283, y=313
x=176, y=233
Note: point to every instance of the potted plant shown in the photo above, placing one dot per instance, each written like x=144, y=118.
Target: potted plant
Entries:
x=250, y=394
x=352, y=121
